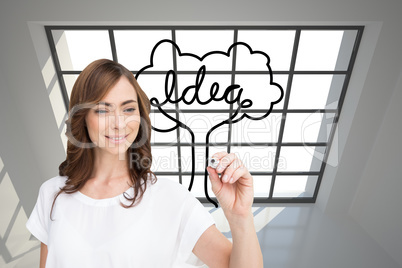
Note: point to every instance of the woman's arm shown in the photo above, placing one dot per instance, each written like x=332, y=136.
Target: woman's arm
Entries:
x=43, y=255
x=236, y=198
x=213, y=248
x=246, y=251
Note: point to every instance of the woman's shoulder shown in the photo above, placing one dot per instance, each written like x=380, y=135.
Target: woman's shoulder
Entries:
x=163, y=183
x=54, y=184
x=166, y=186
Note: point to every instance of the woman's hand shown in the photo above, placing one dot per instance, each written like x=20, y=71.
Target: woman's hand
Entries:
x=234, y=189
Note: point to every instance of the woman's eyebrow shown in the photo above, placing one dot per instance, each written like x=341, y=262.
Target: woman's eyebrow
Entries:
x=109, y=104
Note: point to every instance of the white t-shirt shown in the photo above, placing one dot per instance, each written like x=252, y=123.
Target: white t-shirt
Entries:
x=161, y=231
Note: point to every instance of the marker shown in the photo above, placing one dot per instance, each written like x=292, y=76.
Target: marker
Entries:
x=213, y=162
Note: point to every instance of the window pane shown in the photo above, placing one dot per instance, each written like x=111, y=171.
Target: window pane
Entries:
x=282, y=80
x=298, y=159
x=69, y=81
x=318, y=154
x=77, y=49
x=256, y=159
x=318, y=50
x=258, y=89
x=253, y=131
x=308, y=127
x=154, y=86
x=277, y=44
x=134, y=49
x=315, y=91
x=186, y=160
x=262, y=185
x=294, y=186
x=164, y=158
x=200, y=42
x=219, y=135
x=160, y=121
x=345, y=50
x=201, y=123
x=56, y=98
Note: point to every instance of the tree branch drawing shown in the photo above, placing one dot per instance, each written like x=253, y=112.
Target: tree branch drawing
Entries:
x=262, y=96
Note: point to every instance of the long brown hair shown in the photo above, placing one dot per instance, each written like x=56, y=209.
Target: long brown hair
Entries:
x=91, y=86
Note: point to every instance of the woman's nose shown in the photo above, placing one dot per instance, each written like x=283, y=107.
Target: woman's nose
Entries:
x=117, y=121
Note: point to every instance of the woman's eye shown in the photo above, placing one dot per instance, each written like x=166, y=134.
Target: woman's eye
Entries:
x=130, y=110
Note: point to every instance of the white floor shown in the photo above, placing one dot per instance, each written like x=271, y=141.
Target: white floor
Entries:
x=306, y=237
x=291, y=237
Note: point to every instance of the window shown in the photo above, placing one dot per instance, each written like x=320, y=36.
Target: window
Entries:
x=286, y=151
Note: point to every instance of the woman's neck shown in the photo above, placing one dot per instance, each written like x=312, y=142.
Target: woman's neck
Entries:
x=108, y=166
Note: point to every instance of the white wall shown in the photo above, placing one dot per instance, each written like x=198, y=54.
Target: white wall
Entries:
x=377, y=204
x=31, y=147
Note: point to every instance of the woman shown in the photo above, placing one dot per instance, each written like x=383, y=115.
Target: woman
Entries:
x=106, y=210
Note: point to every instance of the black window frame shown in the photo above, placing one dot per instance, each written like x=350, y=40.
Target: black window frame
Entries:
x=279, y=144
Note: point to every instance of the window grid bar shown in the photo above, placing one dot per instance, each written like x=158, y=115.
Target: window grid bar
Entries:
x=263, y=200
x=224, y=111
x=56, y=64
x=256, y=173
x=205, y=27
x=113, y=45
x=243, y=144
x=233, y=80
x=176, y=93
x=285, y=107
x=334, y=72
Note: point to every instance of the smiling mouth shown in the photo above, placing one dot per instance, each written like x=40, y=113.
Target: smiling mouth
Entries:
x=118, y=139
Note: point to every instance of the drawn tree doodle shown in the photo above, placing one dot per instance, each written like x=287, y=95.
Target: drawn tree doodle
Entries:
x=242, y=98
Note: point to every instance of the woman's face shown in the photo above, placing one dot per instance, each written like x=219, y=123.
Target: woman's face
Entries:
x=113, y=124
